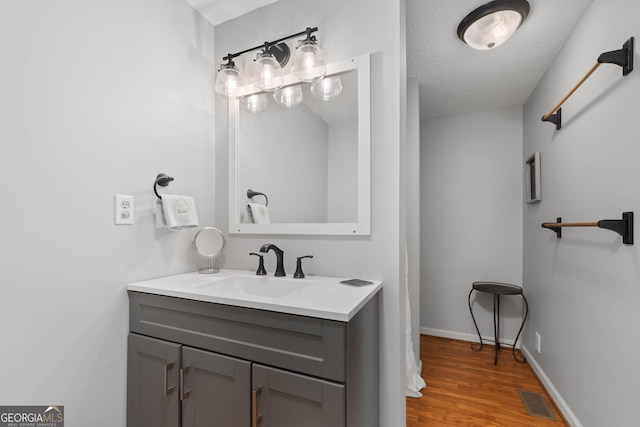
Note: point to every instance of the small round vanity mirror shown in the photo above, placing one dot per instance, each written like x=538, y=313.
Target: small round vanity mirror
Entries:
x=209, y=243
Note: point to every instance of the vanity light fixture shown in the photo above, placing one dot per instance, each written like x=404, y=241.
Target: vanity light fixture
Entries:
x=493, y=23
x=255, y=103
x=290, y=96
x=228, y=82
x=267, y=75
x=308, y=63
x=327, y=88
x=268, y=72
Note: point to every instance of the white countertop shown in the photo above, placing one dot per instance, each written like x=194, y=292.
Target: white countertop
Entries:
x=313, y=296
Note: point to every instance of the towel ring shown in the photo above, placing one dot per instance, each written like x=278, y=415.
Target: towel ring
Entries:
x=162, y=180
x=251, y=194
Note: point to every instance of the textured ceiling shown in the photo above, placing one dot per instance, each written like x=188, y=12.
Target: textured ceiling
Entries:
x=453, y=78
x=456, y=79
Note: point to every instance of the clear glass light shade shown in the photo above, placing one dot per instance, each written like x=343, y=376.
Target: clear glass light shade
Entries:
x=255, y=103
x=492, y=30
x=228, y=82
x=327, y=88
x=308, y=63
x=268, y=73
x=289, y=96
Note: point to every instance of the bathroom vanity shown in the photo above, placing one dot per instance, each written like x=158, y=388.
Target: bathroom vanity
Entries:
x=245, y=350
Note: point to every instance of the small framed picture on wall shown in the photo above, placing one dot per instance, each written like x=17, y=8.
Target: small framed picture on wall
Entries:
x=532, y=178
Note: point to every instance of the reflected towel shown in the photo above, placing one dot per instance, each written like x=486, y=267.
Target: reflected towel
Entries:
x=259, y=213
x=245, y=216
x=179, y=212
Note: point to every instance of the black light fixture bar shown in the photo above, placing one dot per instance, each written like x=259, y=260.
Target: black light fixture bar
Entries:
x=267, y=45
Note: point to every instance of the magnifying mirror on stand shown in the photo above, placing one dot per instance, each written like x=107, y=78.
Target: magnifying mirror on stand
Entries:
x=209, y=243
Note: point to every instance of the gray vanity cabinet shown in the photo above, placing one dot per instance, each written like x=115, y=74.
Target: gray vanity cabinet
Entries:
x=170, y=385
x=152, y=366
x=285, y=399
x=245, y=367
x=216, y=389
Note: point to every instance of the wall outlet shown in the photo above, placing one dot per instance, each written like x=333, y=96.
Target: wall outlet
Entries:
x=123, y=212
x=538, y=342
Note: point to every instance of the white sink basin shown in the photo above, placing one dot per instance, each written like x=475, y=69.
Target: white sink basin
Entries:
x=313, y=296
x=260, y=286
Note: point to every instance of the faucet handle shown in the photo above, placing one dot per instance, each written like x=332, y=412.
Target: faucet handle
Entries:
x=299, y=273
x=261, y=271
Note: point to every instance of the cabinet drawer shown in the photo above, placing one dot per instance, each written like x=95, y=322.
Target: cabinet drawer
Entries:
x=302, y=344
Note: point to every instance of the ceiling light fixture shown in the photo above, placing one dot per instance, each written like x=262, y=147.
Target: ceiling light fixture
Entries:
x=267, y=75
x=493, y=23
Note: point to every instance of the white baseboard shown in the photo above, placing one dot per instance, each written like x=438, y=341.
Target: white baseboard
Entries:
x=553, y=393
x=461, y=336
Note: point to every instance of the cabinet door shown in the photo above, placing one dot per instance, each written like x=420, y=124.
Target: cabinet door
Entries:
x=152, y=383
x=216, y=390
x=285, y=399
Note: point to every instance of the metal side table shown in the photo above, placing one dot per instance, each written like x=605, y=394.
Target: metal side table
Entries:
x=498, y=289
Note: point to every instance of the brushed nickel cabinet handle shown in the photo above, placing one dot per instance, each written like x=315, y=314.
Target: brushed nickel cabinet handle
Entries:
x=183, y=393
x=255, y=418
x=167, y=390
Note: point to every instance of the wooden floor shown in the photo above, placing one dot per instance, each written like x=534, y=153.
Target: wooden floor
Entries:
x=465, y=388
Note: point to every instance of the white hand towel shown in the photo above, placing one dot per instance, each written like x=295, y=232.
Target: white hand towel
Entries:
x=179, y=212
x=157, y=209
x=260, y=213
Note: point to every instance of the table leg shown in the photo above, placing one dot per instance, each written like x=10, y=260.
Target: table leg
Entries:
x=496, y=326
x=526, y=314
x=474, y=346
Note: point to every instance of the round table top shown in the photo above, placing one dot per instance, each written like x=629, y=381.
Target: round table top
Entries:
x=497, y=288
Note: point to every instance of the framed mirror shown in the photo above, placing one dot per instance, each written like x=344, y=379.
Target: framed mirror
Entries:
x=312, y=161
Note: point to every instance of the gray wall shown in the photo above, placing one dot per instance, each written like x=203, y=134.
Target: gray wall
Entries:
x=584, y=288
x=97, y=98
x=412, y=179
x=471, y=212
x=347, y=29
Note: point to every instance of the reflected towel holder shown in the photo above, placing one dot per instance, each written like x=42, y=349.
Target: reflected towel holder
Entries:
x=251, y=194
x=162, y=180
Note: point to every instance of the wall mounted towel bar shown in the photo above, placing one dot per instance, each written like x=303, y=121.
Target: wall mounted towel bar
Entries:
x=622, y=57
x=623, y=227
x=162, y=180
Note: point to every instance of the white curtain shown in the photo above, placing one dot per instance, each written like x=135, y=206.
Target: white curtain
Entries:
x=414, y=381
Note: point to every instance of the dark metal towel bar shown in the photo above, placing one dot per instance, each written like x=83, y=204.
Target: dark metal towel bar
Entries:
x=623, y=227
x=622, y=57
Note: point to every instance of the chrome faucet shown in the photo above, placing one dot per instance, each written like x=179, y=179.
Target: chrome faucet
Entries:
x=279, y=258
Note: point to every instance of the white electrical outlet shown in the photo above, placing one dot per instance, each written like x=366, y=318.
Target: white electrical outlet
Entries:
x=123, y=213
x=538, y=342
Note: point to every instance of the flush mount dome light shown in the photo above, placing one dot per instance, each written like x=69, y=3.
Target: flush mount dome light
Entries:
x=493, y=23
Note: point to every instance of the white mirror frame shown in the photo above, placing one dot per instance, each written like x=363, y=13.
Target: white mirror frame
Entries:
x=363, y=226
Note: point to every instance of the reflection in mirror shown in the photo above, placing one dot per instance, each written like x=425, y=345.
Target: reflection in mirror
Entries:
x=311, y=160
x=209, y=242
